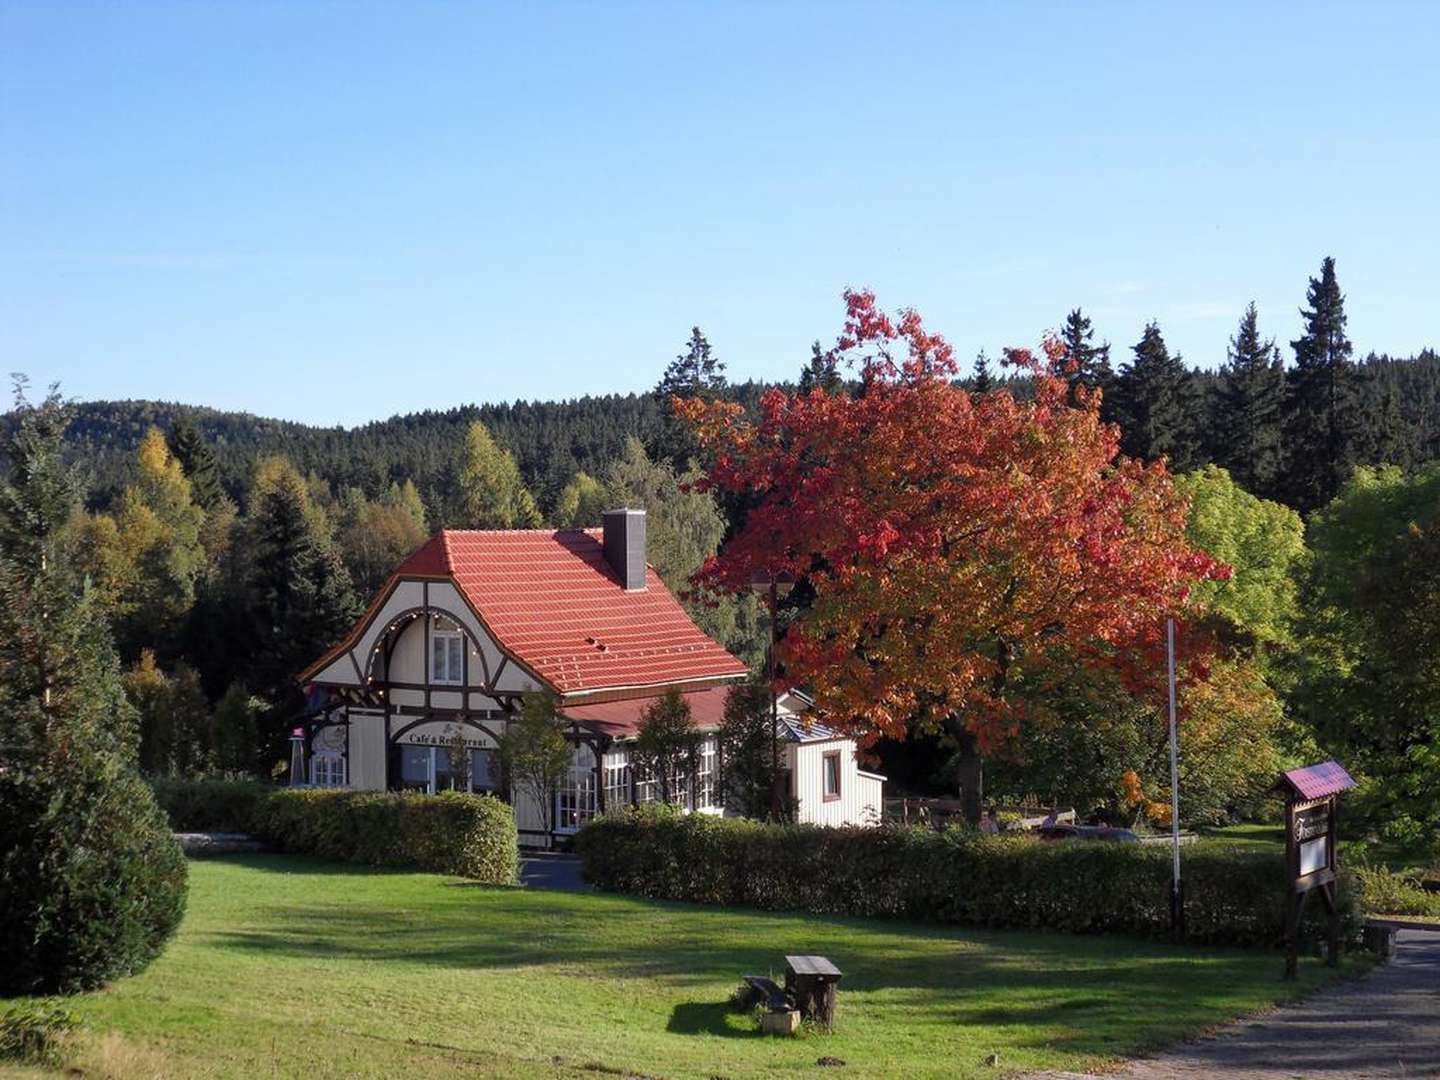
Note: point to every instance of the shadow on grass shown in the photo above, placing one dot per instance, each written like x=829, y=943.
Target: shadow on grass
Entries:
x=710, y=1018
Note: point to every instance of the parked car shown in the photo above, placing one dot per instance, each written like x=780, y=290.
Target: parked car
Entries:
x=1087, y=832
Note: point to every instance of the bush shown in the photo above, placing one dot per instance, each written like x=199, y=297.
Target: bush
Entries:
x=471, y=836
x=961, y=877
x=34, y=1032
x=468, y=835
x=92, y=884
x=210, y=805
x=1384, y=892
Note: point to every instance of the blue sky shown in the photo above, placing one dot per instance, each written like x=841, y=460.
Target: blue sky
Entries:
x=335, y=212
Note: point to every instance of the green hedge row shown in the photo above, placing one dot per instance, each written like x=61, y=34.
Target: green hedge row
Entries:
x=471, y=836
x=1231, y=896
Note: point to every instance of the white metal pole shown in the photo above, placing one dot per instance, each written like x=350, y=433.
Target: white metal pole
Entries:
x=1174, y=755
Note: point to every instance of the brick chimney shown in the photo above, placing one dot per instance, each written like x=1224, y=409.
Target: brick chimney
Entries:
x=624, y=546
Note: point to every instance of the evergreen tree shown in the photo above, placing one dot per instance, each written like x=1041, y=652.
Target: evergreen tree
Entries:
x=1322, y=422
x=236, y=736
x=665, y=746
x=697, y=372
x=1087, y=364
x=982, y=382
x=492, y=494
x=820, y=372
x=198, y=461
x=92, y=884
x=1157, y=405
x=1248, y=401
x=300, y=598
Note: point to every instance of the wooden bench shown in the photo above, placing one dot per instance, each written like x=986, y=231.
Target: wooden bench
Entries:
x=813, y=983
x=769, y=991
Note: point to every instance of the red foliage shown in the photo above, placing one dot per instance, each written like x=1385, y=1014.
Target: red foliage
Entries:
x=961, y=547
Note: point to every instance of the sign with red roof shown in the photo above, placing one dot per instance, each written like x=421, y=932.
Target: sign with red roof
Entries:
x=1318, y=781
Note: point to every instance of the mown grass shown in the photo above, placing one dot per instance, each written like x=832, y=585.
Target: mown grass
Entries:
x=293, y=967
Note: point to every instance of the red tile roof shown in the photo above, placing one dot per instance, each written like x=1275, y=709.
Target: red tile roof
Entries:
x=553, y=603
x=1317, y=781
x=621, y=718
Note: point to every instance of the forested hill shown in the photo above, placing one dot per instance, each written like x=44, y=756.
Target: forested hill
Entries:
x=551, y=441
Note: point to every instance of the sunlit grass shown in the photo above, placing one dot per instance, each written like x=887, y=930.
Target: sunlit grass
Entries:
x=291, y=967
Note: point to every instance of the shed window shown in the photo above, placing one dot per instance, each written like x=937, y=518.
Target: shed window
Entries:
x=830, y=766
x=327, y=770
x=447, y=657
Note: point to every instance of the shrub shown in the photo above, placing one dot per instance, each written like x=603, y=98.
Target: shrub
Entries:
x=1384, y=892
x=92, y=884
x=471, y=836
x=961, y=877
x=210, y=805
x=34, y=1032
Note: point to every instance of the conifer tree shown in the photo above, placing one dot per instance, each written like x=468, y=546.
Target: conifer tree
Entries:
x=820, y=372
x=1157, y=405
x=198, y=461
x=982, y=382
x=492, y=494
x=695, y=373
x=300, y=596
x=1087, y=364
x=1322, y=422
x=92, y=884
x=1248, y=403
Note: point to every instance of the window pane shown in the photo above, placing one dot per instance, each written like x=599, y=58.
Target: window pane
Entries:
x=832, y=775
x=437, y=662
x=480, y=771
x=457, y=659
x=415, y=767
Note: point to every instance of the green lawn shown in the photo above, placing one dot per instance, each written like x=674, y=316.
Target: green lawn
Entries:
x=292, y=967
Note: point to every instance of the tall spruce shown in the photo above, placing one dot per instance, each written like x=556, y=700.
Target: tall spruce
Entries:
x=1157, y=404
x=821, y=372
x=1322, y=415
x=1088, y=364
x=1248, y=401
x=696, y=372
x=198, y=461
x=981, y=381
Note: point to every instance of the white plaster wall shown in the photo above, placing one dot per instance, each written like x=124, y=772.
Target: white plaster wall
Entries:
x=367, y=751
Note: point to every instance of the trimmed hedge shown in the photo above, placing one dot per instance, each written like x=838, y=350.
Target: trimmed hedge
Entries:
x=1232, y=896
x=470, y=836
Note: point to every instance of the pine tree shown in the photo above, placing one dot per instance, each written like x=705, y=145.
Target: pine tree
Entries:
x=492, y=494
x=1248, y=402
x=1088, y=364
x=1157, y=405
x=198, y=461
x=1322, y=422
x=982, y=382
x=820, y=372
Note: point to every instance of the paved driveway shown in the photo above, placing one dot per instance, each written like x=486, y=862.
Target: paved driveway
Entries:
x=552, y=872
x=1385, y=1025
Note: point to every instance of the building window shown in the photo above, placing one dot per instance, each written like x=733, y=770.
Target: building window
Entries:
x=830, y=766
x=416, y=768
x=447, y=657
x=327, y=770
x=575, y=801
x=706, y=795
x=617, y=779
x=484, y=771
x=434, y=768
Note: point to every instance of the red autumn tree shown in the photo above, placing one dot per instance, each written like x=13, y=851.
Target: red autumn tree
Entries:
x=962, y=549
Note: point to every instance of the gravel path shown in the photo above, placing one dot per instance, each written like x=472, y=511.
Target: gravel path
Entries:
x=1384, y=1025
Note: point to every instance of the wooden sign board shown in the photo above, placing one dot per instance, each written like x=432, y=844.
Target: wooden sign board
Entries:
x=1310, y=850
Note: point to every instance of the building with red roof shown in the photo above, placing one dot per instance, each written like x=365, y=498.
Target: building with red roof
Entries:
x=473, y=621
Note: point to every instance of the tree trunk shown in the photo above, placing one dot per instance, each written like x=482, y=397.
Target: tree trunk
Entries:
x=969, y=771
